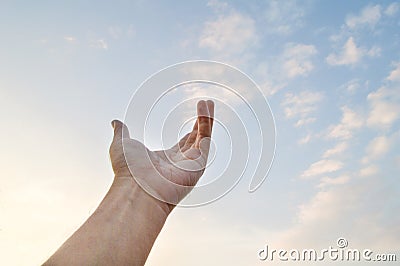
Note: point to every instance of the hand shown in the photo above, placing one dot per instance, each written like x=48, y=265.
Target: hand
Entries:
x=168, y=175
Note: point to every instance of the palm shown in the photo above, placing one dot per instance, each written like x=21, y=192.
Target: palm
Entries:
x=167, y=174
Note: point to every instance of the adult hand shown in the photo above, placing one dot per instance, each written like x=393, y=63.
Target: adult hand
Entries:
x=168, y=175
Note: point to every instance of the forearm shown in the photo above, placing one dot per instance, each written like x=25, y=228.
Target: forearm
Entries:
x=120, y=232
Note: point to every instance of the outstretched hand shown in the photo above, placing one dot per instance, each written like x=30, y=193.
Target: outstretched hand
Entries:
x=168, y=175
x=128, y=220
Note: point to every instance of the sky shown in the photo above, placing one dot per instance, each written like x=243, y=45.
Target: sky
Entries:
x=330, y=71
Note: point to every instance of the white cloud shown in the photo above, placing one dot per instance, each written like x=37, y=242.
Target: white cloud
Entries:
x=349, y=122
x=301, y=106
x=217, y=5
x=375, y=51
x=349, y=55
x=369, y=170
x=305, y=121
x=305, y=140
x=270, y=88
x=322, y=167
x=70, y=39
x=369, y=16
x=297, y=59
x=392, y=9
x=324, y=206
x=395, y=73
x=99, y=44
x=270, y=76
x=338, y=149
x=320, y=220
x=352, y=85
x=283, y=17
x=230, y=34
x=376, y=148
x=384, y=107
x=340, y=180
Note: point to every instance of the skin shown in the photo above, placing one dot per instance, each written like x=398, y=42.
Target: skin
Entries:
x=146, y=187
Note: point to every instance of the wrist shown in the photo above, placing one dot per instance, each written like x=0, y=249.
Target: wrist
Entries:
x=132, y=192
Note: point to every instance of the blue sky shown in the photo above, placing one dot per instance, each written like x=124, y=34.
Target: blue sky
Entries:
x=330, y=71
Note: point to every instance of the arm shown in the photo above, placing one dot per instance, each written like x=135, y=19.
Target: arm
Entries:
x=124, y=227
x=120, y=232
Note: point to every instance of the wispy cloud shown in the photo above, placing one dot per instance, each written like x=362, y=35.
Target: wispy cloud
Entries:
x=218, y=6
x=70, y=39
x=325, y=206
x=271, y=87
x=99, y=44
x=229, y=34
x=384, y=107
x=376, y=148
x=352, y=85
x=351, y=54
x=369, y=170
x=395, y=73
x=321, y=218
x=392, y=9
x=284, y=17
x=349, y=122
x=322, y=167
x=329, y=181
x=297, y=59
x=337, y=150
x=301, y=106
x=369, y=16
x=305, y=139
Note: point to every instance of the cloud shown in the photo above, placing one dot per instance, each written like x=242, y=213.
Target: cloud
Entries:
x=284, y=17
x=349, y=122
x=352, y=85
x=376, y=148
x=369, y=170
x=270, y=87
x=395, y=73
x=322, y=167
x=229, y=34
x=99, y=44
x=327, y=207
x=350, y=54
x=375, y=51
x=305, y=140
x=305, y=121
x=320, y=220
x=369, y=16
x=392, y=9
x=217, y=5
x=384, y=106
x=70, y=39
x=301, y=106
x=297, y=59
x=338, y=149
x=328, y=181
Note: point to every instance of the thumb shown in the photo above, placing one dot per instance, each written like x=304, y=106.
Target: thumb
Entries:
x=120, y=130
